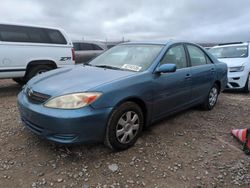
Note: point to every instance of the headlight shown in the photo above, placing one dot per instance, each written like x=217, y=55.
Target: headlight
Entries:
x=73, y=101
x=236, y=69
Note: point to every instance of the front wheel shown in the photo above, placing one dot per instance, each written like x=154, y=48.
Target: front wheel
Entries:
x=212, y=98
x=124, y=126
x=246, y=89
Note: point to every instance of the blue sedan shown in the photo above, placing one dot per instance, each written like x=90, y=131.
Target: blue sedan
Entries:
x=113, y=97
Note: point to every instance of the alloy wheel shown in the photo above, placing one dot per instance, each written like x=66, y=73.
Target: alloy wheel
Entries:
x=127, y=127
x=213, y=95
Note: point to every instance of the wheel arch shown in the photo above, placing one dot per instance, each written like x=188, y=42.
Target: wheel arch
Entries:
x=218, y=83
x=40, y=62
x=141, y=103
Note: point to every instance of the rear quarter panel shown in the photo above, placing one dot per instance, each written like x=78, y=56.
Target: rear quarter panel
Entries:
x=221, y=71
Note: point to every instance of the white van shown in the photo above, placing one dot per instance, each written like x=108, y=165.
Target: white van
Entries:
x=236, y=56
x=26, y=51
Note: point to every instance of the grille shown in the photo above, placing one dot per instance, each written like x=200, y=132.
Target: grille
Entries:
x=35, y=97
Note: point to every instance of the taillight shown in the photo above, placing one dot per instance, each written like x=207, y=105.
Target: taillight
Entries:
x=73, y=54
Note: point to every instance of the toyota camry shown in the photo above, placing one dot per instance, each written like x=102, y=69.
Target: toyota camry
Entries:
x=127, y=88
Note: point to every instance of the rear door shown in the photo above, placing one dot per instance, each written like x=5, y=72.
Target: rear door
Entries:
x=202, y=71
x=172, y=90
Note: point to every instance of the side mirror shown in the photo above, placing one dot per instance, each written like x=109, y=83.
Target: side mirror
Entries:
x=166, y=68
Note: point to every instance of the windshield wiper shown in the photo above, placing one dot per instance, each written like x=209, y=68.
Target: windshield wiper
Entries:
x=86, y=64
x=108, y=67
x=222, y=57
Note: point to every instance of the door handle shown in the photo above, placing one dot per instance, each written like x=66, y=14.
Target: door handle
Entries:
x=188, y=76
x=212, y=69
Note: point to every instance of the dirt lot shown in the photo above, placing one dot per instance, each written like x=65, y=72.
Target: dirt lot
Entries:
x=191, y=149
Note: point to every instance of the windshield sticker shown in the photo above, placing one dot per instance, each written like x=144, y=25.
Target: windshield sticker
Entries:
x=132, y=67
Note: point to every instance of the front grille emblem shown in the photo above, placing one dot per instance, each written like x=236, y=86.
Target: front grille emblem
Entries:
x=36, y=97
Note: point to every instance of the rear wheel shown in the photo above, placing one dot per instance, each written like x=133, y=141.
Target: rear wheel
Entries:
x=36, y=70
x=124, y=126
x=246, y=89
x=212, y=98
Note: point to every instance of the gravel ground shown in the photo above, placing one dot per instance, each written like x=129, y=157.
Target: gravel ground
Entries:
x=191, y=149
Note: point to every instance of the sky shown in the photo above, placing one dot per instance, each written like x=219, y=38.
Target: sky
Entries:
x=189, y=20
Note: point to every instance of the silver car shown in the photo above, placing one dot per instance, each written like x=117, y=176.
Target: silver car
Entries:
x=87, y=50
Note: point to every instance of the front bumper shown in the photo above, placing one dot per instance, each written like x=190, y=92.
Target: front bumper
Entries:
x=237, y=80
x=86, y=125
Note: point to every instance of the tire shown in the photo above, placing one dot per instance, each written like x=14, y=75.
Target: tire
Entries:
x=122, y=133
x=211, y=98
x=246, y=89
x=36, y=70
x=20, y=81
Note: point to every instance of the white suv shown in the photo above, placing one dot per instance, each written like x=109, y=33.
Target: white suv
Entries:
x=236, y=56
x=26, y=51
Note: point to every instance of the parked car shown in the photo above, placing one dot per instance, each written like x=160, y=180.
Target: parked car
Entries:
x=87, y=50
x=236, y=56
x=111, y=44
x=121, y=91
x=26, y=51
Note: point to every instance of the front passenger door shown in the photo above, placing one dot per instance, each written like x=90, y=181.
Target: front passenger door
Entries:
x=173, y=90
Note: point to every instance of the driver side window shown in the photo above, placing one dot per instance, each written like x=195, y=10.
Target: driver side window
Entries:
x=175, y=55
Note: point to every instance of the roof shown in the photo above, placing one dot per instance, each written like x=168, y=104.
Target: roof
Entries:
x=150, y=42
x=164, y=42
x=29, y=25
x=88, y=41
x=208, y=45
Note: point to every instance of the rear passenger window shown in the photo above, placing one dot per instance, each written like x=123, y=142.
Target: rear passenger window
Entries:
x=56, y=37
x=197, y=56
x=86, y=46
x=14, y=36
x=37, y=35
x=13, y=33
x=175, y=55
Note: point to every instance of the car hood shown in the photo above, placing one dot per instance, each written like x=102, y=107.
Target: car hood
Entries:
x=78, y=79
x=233, y=62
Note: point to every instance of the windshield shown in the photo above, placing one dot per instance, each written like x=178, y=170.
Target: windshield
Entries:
x=230, y=52
x=128, y=57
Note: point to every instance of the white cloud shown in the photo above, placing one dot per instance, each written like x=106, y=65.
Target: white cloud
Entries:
x=136, y=19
